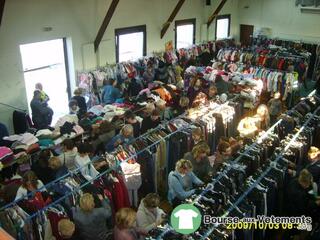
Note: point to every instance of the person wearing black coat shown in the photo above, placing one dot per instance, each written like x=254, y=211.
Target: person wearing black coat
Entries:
x=317, y=85
x=314, y=164
x=41, y=167
x=150, y=122
x=130, y=118
x=134, y=88
x=300, y=201
x=41, y=113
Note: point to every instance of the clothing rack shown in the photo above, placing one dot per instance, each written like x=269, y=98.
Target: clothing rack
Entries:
x=161, y=125
x=278, y=54
x=48, y=185
x=172, y=120
x=272, y=69
x=272, y=164
x=223, y=173
x=71, y=173
x=252, y=146
x=110, y=169
x=77, y=170
x=301, y=41
x=150, y=55
x=228, y=168
x=102, y=174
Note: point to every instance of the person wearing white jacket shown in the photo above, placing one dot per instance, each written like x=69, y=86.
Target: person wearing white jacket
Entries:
x=83, y=162
x=149, y=214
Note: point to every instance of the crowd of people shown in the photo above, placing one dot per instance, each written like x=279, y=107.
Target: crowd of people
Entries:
x=92, y=221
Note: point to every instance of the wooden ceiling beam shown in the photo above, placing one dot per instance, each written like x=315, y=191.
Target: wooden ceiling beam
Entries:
x=105, y=23
x=171, y=18
x=216, y=12
x=2, y=2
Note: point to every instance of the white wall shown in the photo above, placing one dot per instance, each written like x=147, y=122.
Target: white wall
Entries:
x=230, y=7
x=24, y=20
x=283, y=17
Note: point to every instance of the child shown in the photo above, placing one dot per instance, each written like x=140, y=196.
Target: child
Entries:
x=43, y=96
x=73, y=107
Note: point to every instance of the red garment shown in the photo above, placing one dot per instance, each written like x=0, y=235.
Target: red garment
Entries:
x=35, y=204
x=120, y=194
x=17, y=181
x=281, y=63
x=261, y=60
x=54, y=219
x=33, y=148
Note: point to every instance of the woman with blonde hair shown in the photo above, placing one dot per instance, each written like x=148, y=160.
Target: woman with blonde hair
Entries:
x=263, y=117
x=125, y=226
x=65, y=230
x=181, y=182
x=250, y=126
x=57, y=167
x=90, y=221
x=124, y=137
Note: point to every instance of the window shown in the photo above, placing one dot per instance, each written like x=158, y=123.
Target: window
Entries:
x=45, y=63
x=130, y=43
x=185, y=33
x=223, y=26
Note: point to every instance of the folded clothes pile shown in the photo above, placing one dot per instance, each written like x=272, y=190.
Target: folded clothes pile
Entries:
x=6, y=155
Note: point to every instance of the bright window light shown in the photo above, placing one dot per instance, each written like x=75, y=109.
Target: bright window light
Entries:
x=222, y=28
x=185, y=35
x=40, y=54
x=130, y=46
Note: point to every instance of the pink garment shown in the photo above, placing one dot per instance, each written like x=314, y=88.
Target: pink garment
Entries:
x=146, y=90
x=5, y=152
x=79, y=130
x=123, y=105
